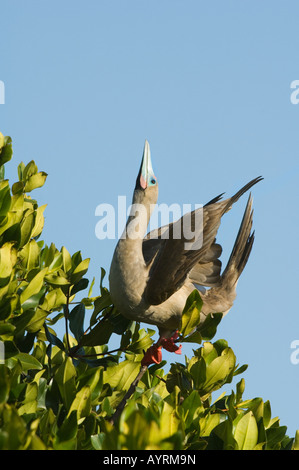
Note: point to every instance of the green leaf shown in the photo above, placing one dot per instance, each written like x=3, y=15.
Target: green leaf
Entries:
x=141, y=341
x=56, y=263
x=122, y=375
x=191, y=313
x=5, y=151
x=178, y=377
x=66, y=260
x=57, y=280
x=21, y=168
x=169, y=421
x=246, y=431
x=296, y=441
x=5, y=198
x=4, y=383
x=30, y=255
x=2, y=141
x=192, y=406
x=8, y=258
x=103, y=274
x=34, y=285
x=6, y=328
x=66, y=436
x=192, y=338
x=35, y=181
x=91, y=286
x=53, y=339
x=197, y=368
x=27, y=361
x=39, y=221
x=82, y=403
x=119, y=322
x=79, y=271
x=27, y=226
x=275, y=435
x=37, y=321
x=76, y=319
x=9, y=305
x=208, y=423
x=224, y=437
x=65, y=378
x=209, y=326
x=218, y=370
x=241, y=369
x=99, y=335
x=100, y=304
x=240, y=390
x=97, y=441
x=81, y=285
x=28, y=170
x=30, y=402
x=34, y=300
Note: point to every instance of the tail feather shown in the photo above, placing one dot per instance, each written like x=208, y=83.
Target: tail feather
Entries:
x=242, y=246
x=240, y=193
x=221, y=297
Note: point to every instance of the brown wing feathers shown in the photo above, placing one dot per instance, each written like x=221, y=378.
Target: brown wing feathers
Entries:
x=172, y=263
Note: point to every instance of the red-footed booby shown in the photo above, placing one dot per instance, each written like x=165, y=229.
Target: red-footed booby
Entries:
x=152, y=275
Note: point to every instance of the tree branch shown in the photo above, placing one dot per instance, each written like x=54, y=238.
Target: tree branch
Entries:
x=131, y=390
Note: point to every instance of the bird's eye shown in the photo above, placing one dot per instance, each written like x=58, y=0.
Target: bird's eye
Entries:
x=153, y=181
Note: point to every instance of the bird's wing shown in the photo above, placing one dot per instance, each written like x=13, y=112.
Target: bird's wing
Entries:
x=153, y=242
x=173, y=257
x=221, y=298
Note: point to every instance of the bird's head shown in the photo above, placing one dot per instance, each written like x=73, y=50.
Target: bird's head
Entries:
x=146, y=189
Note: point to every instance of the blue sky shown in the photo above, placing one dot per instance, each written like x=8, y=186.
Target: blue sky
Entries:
x=208, y=84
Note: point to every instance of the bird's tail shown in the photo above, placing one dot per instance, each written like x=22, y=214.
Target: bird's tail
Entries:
x=221, y=298
x=227, y=203
x=241, y=191
x=242, y=247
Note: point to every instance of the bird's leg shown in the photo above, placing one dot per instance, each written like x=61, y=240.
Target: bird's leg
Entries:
x=169, y=343
x=154, y=353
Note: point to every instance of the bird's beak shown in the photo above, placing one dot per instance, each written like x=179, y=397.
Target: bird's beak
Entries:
x=146, y=172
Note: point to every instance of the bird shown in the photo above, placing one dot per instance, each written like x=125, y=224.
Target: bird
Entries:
x=153, y=273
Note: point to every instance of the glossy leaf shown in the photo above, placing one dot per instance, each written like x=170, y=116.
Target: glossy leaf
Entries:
x=27, y=361
x=34, y=286
x=35, y=181
x=79, y=271
x=65, y=378
x=81, y=403
x=246, y=432
x=191, y=313
x=218, y=370
x=76, y=319
x=65, y=438
x=209, y=327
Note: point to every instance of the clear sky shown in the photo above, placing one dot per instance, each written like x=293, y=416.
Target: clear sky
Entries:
x=209, y=85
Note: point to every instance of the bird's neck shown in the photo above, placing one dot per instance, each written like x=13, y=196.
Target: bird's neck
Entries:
x=138, y=220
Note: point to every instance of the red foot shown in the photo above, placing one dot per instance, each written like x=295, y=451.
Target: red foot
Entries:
x=169, y=343
x=154, y=354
